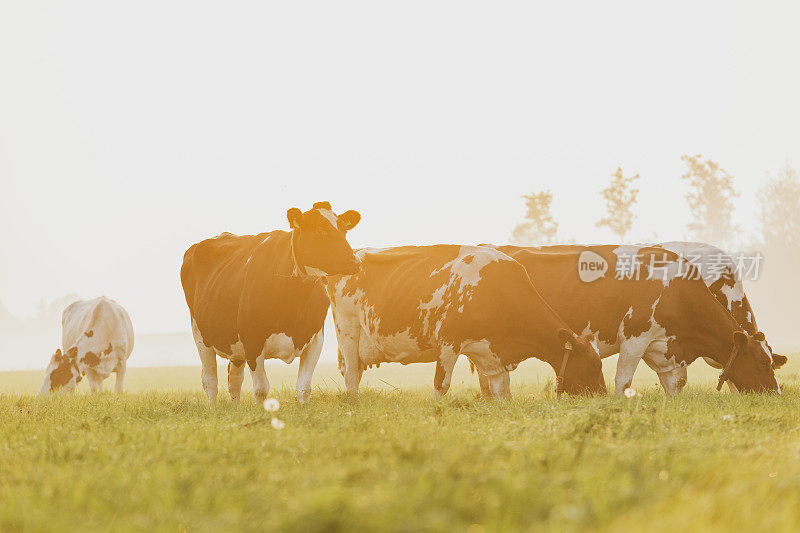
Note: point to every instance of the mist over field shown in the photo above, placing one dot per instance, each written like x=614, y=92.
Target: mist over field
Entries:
x=127, y=133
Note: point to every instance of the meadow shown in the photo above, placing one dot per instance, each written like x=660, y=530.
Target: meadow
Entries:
x=158, y=458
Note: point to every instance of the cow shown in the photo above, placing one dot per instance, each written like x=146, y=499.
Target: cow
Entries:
x=721, y=275
x=97, y=339
x=415, y=304
x=257, y=297
x=646, y=302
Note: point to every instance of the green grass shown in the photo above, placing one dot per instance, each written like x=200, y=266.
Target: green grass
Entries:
x=396, y=458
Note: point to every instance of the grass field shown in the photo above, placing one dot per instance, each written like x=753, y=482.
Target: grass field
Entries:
x=159, y=458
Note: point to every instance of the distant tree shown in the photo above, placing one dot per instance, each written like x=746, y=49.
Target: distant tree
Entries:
x=48, y=314
x=620, y=198
x=779, y=209
x=710, y=198
x=775, y=292
x=539, y=226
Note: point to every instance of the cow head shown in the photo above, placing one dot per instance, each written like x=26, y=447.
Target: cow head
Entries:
x=777, y=359
x=752, y=369
x=583, y=372
x=318, y=240
x=62, y=372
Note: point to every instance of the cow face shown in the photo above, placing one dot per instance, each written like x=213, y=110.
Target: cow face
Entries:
x=583, y=373
x=752, y=370
x=318, y=240
x=62, y=372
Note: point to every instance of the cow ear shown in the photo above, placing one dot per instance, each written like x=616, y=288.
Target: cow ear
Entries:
x=565, y=337
x=349, y=219
x=778, y=361
x=740, y=340
x=295, y=218
x=322, y=205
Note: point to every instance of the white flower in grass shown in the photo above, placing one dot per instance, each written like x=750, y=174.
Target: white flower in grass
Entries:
x=277, y=423
x=272, y=405
x=727, y=418
x=629, y=393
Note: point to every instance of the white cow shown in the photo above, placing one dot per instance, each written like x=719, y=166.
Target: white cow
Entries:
x=97, y=339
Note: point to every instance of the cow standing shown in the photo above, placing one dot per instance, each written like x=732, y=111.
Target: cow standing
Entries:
x=257, y=297
x=663, y=313
x=431, y=303
x=97, y=339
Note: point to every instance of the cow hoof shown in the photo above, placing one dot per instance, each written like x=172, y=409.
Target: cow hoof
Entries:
x=303, y=396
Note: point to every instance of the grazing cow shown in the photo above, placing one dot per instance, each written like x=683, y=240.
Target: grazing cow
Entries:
x=97, y=339
x=664, y=313
x=416, y=304
x=718, y=271
x=257, y=297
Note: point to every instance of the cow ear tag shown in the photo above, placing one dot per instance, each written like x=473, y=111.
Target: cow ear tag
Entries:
x=568, y=346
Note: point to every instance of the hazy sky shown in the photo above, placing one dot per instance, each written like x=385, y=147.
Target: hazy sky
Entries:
x=130, y=130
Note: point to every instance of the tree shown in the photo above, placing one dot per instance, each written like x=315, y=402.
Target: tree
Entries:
x=620, y=198
x=775, y=292
x=779, y=206
x=710, y=198
x=539, y=226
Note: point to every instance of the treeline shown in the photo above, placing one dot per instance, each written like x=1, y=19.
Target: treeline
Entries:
x=710, y=199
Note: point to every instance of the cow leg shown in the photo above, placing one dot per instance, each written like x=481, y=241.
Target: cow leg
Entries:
x=672, y=377
x=484, y=383
x=486, y=389
x=444, y=372
x=95, y=381
x=120, y=371
x=348, y=332
x=208, y=357
x=235, y=379
x=351, y=374
x=629, y=356
x=352, y=378
x=260, y=381
x=308, y=362
x=499, y=385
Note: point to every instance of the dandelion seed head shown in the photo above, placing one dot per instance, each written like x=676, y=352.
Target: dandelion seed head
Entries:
x=271, y=405
x=277, y=423
x=629, y=393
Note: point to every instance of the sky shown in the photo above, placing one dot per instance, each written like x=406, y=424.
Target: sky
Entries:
x=130, y=130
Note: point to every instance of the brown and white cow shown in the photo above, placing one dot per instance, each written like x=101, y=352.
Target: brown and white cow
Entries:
x=721, y=275
x=257, y=297
x=416, y=304
x=664, y=313
x=97, y=339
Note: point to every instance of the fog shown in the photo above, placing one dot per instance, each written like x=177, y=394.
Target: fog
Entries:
x=130, y=131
